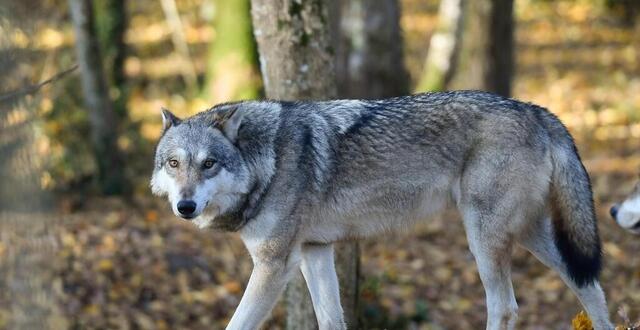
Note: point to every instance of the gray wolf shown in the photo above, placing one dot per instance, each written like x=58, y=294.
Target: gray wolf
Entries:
x=294, y=177
x=627, y=213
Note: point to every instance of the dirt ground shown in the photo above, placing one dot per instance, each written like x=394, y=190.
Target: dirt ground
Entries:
x=140, y=268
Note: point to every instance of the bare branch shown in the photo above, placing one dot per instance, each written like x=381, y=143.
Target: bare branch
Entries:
x=32, y=89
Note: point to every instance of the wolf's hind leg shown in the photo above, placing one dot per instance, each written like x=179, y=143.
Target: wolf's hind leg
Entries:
x=319, y=272
x=492, y=252
x=540, y=242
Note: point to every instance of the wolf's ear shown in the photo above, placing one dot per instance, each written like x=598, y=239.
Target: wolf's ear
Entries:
x=228, y=121
x=169, y=119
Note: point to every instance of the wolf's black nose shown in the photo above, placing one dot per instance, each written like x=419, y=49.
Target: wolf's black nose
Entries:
x=186, y=208
x=614, y=211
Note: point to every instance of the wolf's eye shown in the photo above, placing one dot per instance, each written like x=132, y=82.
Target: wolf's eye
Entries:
x=173, y=163
x=208, y=163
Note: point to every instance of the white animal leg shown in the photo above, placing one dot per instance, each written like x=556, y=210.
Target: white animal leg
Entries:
x=540, y=243
x=266, y=283
x=319, y=272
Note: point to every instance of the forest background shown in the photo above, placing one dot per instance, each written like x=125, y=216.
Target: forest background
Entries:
x=84, y=245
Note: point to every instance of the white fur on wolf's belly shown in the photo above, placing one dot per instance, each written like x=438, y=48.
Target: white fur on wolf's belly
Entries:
x=356, y=216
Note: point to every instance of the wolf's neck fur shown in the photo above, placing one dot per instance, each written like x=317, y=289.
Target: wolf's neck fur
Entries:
x=256, y=144
x=241, y=213
x=235, y=218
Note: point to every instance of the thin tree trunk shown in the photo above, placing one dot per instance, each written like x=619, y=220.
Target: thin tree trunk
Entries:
x=369, y=55
x=443, y=47
x=180, y=43
x=111, y=25
x=231, y=65
x=103, y=121
x=370, y=64
x=486, y=53
x=297, y=62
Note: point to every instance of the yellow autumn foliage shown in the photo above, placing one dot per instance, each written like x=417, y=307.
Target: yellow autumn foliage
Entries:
x=581, y=322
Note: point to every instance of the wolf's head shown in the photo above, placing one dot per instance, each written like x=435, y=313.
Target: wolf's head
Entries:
x=198, y=166
x=627, y=213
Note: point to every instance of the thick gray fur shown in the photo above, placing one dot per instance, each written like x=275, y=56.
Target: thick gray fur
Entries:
x=295, y=177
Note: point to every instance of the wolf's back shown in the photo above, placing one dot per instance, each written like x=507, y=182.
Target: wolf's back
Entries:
x=572, y=210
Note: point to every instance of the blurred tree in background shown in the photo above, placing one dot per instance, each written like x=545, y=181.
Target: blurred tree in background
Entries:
x=444, y=47
x=368, y=46
x=231, y=64
x=97, y=97
x=627, y=9
x=180, y=44
x=111, y=22
x=367, y=39
x=21, y=137
x=485, y=59
x=472, y=47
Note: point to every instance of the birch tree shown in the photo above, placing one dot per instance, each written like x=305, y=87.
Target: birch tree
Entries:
x=443, y=47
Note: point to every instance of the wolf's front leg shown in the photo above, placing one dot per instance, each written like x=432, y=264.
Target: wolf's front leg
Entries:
x=319, y=272
x=266, y=283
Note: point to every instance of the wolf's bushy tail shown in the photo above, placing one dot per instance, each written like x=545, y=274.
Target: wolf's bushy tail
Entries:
x=572, y=211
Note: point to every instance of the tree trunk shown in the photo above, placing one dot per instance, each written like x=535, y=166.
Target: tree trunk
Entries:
x=486, y=54
x=111, y=25
x=370, y=64
x=96, y=96
x=170, y=9
x=231, y=66
x=369, y=55
x=443, y=47
x=296, y=60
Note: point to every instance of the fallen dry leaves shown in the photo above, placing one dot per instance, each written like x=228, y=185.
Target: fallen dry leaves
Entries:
x=581, y=322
